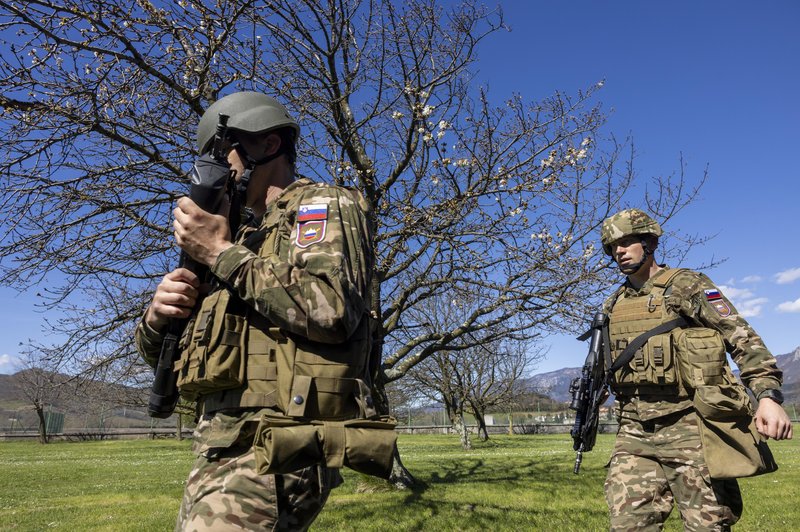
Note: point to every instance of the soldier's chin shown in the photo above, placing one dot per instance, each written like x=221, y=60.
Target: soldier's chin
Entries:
x=629, y=269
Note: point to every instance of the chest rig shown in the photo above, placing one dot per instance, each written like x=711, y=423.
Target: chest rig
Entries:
x=653, y=369
x=271, y=367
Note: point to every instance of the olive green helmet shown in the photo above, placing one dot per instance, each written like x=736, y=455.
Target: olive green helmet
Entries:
x=626, y=223
x=247, y=111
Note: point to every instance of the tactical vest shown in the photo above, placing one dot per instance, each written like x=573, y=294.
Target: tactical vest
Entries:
x=234, y=357
x=654, y=369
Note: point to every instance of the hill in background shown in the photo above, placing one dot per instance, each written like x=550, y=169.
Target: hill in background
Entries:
x=555, y=384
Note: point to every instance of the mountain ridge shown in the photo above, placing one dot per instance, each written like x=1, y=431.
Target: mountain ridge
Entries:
x=555, y=384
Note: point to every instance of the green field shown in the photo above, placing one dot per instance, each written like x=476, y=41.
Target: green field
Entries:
x=507, y=483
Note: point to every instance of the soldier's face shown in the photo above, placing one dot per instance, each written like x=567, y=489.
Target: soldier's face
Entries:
x=627, y=251
x=257, y=147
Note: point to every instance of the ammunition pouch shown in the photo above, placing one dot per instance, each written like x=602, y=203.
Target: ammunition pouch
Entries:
x=211, y=357
x=283, y=445
x=702, y=360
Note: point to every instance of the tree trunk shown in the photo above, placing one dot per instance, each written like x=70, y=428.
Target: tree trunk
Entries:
x=42, y=425
x=179, y=426
x=483, y=434
x=461, y=428
x=400, y=478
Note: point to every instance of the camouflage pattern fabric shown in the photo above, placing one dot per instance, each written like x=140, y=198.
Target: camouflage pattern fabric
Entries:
x=627, y=223
x=225, y=492
x=316, y=284
x=658, y=459
x=696, y=298
x=658, y=464
x=313, y=280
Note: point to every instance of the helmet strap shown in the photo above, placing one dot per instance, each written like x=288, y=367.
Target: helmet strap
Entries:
x=250, y=165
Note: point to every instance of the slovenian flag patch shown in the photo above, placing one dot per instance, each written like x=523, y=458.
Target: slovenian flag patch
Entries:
x=315, y=211
x=714, y=299
x=711, y=295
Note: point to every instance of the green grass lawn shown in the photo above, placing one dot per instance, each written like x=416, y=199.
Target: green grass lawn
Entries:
x=507, y=483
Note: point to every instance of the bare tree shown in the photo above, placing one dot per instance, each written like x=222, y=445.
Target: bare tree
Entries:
x=473, y=378
x=494, y=375
x=41, y=383
x=498, y=199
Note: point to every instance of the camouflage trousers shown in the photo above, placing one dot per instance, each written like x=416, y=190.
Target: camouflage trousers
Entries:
x=657, y=464
x=227, y=493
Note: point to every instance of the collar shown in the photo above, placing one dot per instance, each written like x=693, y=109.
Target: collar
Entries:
x=647, y=287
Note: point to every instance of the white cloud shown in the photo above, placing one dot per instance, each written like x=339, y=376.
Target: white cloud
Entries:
x=789, y=306
x=752, y=279
x=8, y=364
x=751, y=307
x=736, y=294
x=787, y=276
x=745, y=301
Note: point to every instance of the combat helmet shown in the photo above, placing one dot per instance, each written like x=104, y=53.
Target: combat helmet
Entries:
x=248, y=111
x=626, y=223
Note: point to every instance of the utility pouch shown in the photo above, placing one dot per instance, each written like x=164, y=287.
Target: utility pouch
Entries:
x=701, y=357
x=212, y=357
x=283, y=445
x=325, y=384
x=732, y=446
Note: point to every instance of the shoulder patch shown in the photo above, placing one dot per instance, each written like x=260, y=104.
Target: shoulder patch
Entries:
x=310, y=232
x=714, y=299
x=313, y=211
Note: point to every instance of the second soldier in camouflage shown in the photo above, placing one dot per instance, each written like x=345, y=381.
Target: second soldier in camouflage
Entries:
x=677, y=384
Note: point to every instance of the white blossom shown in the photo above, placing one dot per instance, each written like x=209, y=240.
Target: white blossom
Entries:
x=397, y=115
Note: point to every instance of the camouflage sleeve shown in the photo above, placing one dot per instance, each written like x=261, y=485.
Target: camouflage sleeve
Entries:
x=706, y=305
x=317, y=283
x=148, y=343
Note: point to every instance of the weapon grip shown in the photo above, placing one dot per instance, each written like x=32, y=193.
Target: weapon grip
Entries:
x=164, y=393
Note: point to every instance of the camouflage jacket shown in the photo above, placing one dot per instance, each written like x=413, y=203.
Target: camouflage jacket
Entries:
x=697, y=299
x=313, y=280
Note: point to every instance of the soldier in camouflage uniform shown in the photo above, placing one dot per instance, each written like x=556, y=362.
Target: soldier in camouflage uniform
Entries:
x=658, y=459
x=300, y=267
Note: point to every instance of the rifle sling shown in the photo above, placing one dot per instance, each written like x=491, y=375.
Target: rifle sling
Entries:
x=627, y=354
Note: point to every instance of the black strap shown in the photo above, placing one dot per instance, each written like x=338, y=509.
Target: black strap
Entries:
x=628, y=353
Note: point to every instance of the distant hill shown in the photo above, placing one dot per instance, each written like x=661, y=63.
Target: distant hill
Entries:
x=85, y=405
x=555, y=384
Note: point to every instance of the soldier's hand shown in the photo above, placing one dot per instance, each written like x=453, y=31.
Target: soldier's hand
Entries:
x=175, y=297
x=772, y=420
x=200, y=234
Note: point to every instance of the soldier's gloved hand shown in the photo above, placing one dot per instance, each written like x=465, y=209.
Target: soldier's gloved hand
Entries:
x=772, y=420
x=175, y=297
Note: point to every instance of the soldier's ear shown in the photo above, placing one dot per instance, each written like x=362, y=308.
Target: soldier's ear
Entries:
x=272, y=144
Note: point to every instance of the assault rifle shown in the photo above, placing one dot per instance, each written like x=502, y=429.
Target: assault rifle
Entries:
x=211, y=177
x=589, y=390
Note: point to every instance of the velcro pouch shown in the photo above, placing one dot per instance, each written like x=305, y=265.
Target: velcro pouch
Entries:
x=212, y=359
x=283, y=445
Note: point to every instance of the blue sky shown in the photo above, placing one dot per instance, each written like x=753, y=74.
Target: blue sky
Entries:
x=716, y=81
